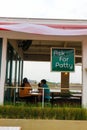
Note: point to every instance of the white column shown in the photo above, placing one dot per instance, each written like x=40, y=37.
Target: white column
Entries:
x=3, y=70
x=84, y=73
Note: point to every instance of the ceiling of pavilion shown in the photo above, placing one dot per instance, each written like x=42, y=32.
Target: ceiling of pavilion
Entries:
x=40, y=50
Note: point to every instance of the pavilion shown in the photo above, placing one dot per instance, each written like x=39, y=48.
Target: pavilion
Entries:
x=25, y=39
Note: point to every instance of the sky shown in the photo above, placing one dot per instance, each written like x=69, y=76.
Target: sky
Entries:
x=50, y=9
x=40, y=70
x=55, y=9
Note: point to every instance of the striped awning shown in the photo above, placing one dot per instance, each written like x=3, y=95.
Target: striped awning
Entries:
x=45, y=29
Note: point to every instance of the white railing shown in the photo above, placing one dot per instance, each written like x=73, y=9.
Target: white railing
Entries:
x=14, y=91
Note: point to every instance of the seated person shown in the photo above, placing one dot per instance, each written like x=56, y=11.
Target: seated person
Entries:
x=46, y=90
x=25, y=83
x=26, y=88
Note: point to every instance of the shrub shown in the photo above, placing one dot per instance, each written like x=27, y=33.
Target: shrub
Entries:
x=58, y=113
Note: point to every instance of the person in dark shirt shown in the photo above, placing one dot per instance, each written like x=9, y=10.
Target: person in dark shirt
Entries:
x=46, y=90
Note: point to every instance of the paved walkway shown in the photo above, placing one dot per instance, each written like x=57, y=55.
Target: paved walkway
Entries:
x=45, y=124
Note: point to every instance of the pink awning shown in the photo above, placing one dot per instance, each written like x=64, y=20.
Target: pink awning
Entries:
x=46, y=29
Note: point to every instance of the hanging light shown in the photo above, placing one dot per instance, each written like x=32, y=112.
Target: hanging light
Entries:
x=66, y=73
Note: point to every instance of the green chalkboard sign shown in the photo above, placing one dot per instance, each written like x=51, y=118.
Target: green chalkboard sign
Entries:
x=63, y=59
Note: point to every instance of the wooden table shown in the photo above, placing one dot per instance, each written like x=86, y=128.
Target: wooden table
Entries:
x=36, y=96
x=56, y=96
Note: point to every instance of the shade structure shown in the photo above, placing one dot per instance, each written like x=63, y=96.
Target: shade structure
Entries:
x=45, y=29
